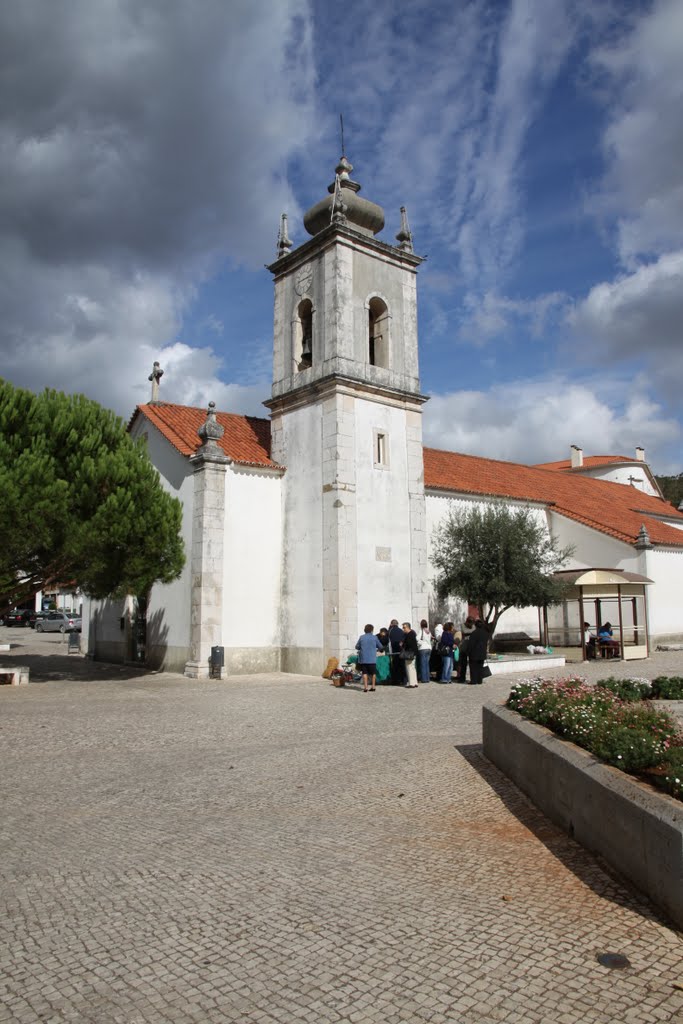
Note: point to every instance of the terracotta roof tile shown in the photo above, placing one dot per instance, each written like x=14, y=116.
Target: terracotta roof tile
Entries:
x=246, y=439
x=614, y=509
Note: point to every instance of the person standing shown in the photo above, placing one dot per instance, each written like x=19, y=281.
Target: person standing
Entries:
x=477, y=649
x=398, y=672
x=368, y=645
x=446, y=645
x=467, y=630
x=409, y=654
x=383, y=661
x=424, y=650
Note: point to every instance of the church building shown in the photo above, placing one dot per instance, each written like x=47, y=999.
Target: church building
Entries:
x=301, y=527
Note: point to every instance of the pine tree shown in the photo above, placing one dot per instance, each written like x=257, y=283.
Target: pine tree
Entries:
x=80, y=502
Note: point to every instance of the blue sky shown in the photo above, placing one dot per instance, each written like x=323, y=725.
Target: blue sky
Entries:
x=149, y=146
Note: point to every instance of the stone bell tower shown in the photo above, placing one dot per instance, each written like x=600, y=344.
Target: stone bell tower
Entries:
x=346, y=416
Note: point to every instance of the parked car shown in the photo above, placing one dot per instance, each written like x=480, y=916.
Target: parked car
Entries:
x=19, y=617
x=58, y=622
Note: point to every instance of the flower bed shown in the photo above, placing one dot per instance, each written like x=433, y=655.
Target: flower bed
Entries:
x=661, y=688
x=626, y=732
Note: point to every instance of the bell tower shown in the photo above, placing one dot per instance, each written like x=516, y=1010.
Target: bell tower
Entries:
x=346, y=414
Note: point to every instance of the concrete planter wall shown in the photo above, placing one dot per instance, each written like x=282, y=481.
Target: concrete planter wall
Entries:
x=637, y=830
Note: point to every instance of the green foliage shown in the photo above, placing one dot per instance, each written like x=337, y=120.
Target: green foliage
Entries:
x=627, y=689
x=667, y=688
x=672, y=488
x=497, y=558
x=79, y=500
x=634, y=736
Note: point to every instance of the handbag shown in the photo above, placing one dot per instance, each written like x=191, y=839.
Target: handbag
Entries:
x=486, y=672
x=407, y=655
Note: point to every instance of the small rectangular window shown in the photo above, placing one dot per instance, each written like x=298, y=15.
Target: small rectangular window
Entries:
x=381, y=449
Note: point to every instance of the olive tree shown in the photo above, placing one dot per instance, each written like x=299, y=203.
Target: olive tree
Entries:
x=497, y=558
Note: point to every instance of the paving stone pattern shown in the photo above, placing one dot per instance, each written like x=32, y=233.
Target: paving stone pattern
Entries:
x=277, y=850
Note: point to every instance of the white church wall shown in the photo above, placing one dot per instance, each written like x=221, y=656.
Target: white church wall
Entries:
x=665, y=599
x=168, y=610
x=592, y=550
x=299, y=434
x=111, y=622
x=252, y=560
x=383, y=516
x=631, y=474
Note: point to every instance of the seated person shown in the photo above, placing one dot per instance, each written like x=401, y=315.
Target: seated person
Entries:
x=606, y=641
x=589, y=640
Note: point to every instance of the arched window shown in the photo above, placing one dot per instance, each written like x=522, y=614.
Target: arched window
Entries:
x=378, y=333
x=303, y=335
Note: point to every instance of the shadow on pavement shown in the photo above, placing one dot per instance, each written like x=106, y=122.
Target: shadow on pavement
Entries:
x=45, y=668
x=588, y=867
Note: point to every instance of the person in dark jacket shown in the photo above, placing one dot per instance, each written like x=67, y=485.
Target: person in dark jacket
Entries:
x=447, y=644
x=467, y=630
x=477, y=649
x=396, y=637
x=409, y=654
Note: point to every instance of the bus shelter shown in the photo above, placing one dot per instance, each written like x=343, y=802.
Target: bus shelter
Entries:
x=598, y=596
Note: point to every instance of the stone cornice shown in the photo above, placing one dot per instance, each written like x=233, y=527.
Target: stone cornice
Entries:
x=340, y=234
x=338, y=384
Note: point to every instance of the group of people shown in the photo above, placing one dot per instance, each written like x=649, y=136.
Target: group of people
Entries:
x=408, y=657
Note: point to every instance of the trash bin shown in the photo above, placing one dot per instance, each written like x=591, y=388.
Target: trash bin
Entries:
x=217, y=662
x=74, y=645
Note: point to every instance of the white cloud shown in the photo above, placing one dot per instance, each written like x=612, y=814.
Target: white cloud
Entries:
x=643, y=140
x=537, y=421
x=141, y=145
x=639, y=314
x=491, y=315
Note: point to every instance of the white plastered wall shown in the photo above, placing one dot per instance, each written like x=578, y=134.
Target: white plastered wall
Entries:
x=297, y=442
x=252, y=569
x=168, y=613
x=383, y=516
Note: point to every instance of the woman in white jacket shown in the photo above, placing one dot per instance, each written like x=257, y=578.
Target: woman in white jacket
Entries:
x=424, y=650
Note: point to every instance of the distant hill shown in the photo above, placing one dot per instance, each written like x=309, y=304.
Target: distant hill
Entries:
x=672, y=488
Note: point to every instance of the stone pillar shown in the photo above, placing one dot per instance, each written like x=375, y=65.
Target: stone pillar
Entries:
x=208, y=524
x=418, y=517
x=340, y=583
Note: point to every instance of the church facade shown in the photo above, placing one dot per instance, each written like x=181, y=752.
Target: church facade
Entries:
x=302, y=527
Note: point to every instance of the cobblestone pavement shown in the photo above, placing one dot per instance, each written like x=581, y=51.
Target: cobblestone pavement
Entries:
x=273, y=849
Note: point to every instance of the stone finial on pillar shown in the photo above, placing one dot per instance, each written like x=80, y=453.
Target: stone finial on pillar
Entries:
x=643, y=541
x=404, y=237
x=155, y=376
x=284, y=246
x=210, y=432
x=339, y=207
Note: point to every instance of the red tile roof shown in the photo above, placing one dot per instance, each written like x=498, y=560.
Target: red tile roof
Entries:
x=246, y=439
x=614, y=509
x=589, y=462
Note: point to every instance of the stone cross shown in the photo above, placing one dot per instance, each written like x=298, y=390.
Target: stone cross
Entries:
x=155, y=376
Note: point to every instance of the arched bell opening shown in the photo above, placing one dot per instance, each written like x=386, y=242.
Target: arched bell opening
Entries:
x=303, y=335
x=378, y=333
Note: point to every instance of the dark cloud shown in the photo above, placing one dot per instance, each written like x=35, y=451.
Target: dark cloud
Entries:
x=141, y=143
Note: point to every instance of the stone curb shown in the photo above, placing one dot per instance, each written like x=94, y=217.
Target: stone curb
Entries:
x=638, y=831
